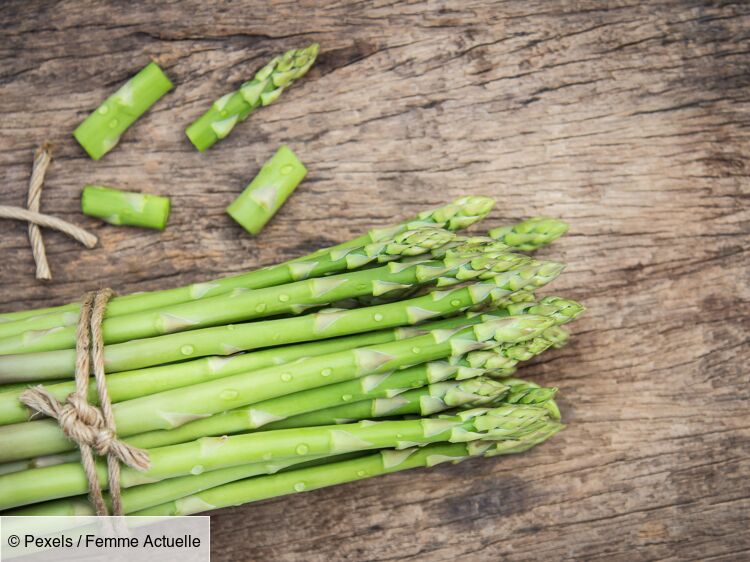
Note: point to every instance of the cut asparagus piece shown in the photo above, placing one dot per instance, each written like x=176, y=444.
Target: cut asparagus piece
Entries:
x=262, y=90
x=173, y=408
x=268, y=191
x=101, y=130
x=313, y=478
x=509, y=421
x=124, y=207
x=531, y=234
x=460, y=214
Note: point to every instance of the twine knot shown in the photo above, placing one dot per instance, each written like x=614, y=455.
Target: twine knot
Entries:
x=91, y=427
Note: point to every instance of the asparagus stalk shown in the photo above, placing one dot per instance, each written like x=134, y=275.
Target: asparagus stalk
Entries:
x=498, y=362
x=424, y=401
x=385, y=461
x=166, y=491
x=125, y=208
x=427, y=400
x=408, y=243
x=307, y=479
x=101, y=130
x=531, y=234
x=386, y=387
x=378, y=386
x=127, y=385
x=44, y=437
x=148, y=495
x=268, y=191
x=175, y=347
x=461, y=213
x=206, y=454
x=293, y=297
x=38, y=462
x=173, y=408
x=262, y=90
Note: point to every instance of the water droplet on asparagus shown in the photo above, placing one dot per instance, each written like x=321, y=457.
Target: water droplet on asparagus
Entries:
x=302, y=449
x=415, y=350
x=326, y=372
x=113, y=124
x=286, y=377
x=347, y=397
x=228, y=394
x=361, y=473
x=377, y=317
x=103, y=109
x=196, y=470
x=187, y=349
x=299, y=487
x=286, y=170
x=260, y=308
x=455, y=302
x=283, y=298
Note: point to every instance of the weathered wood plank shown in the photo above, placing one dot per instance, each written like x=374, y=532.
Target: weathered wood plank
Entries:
x=630, y=120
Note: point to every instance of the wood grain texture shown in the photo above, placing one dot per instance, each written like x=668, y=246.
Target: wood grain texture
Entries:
x=630, y=120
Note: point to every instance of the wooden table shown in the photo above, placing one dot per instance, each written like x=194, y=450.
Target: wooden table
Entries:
x=630, y=120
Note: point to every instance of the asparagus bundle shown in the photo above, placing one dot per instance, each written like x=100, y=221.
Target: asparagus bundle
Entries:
x=285, y=370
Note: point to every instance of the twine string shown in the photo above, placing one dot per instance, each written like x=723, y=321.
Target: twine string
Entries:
x=92, y=429
x=42, y=159
x=48, y=221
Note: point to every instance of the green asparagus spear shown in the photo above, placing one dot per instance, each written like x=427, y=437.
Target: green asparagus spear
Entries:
x=271, y=414
x=125, y=208
x=268, y=191
x=408, y=243
x=240, y=306
x=209, y=453
x=262, y=90
x=173, y=408
x=127, y=385
x=152, y=351
x=498, y=362
x=101, y=130
x=148, y=495
x=423, y=401
x=163, y=493
x=38, y=462
x=530, y=234
x=306, y=479
x=460, y=214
